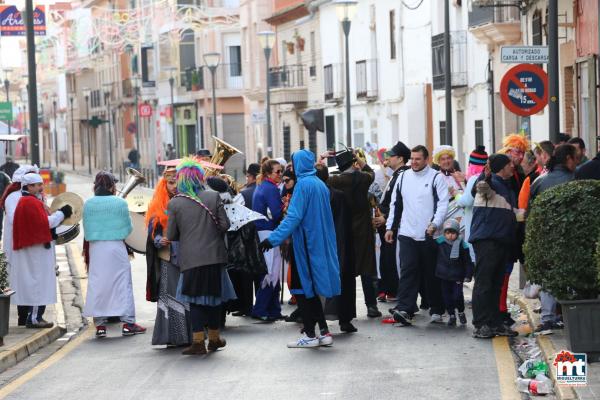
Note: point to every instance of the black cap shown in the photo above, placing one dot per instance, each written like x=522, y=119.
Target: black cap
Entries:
x=498, y=161
x=400, y=150
x=253, y=169
x=203, y=153
x=344, y=159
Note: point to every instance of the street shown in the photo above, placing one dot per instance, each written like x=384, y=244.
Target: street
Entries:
x=379, y=361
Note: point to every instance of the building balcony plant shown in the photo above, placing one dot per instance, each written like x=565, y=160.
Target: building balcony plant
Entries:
x=562, y=254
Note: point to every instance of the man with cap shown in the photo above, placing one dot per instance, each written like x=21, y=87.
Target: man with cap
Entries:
x=9, y=167
x=397, y=158
x=203, y=155
x=32, y=275
x=493, y=232
x=418, y=208
x=354, y=180
x=248, y=191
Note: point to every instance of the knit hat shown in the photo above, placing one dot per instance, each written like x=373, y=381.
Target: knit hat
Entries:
x=452, y=225
x=478, y=156
x=400, y=150
x=441, y=150
x=498, y=161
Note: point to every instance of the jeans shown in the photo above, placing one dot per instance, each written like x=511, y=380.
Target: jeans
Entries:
x=489, y=277
x=452, y=293
x=417, y=261
x=202, y=316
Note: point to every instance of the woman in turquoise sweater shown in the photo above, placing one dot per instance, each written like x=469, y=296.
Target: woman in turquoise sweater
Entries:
x=106, y=224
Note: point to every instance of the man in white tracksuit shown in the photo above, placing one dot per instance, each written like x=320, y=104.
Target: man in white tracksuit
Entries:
x=418, y=206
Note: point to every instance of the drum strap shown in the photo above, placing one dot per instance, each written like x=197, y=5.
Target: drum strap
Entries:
x=212, y=216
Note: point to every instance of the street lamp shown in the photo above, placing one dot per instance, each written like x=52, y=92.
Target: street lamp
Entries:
x=71, y=99
x=267, y=40
x=86, y=95
x=7, y=71
x=212, y=62
x=345, y=10
x=54, y=99
x=136, y=88
x=171, y=71
x=107, y=93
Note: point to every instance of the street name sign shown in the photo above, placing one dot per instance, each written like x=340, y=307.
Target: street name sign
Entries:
x=524, y=89
x=524, y=54
x=6, y=111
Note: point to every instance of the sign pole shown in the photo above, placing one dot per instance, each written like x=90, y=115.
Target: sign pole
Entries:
x=553, y=78
x=32, y=87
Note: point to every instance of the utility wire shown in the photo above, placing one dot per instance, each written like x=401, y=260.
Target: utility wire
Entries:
x=412, y=7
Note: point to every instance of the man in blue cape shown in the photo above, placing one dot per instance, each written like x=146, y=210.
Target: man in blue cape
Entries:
x=309, y=222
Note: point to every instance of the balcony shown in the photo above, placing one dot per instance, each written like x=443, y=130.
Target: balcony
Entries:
x=333, y=83
x=367, y=86
x=288, y=84
x=495, y=25
x=228, y=79
x=458, y=60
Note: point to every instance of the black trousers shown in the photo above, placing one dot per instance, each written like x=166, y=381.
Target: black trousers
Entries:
x=489, y=276
x=454, y=299
x=347, y=298
x=369, y=287
x=243, y=283
x=388, y=283
x=417, y=259
x=203, y=316
x=311, y=311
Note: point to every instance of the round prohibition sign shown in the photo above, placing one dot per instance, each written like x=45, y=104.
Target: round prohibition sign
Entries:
x=524, y=89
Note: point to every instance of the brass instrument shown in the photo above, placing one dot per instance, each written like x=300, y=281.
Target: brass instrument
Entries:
x=360, y=155
x=135, y=178
x=137, y=210
x=222, y=153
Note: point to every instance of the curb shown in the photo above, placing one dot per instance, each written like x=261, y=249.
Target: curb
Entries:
x=547, y=348
x=29, y=346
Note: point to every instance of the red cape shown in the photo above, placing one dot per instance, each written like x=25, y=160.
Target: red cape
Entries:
x=30, y=226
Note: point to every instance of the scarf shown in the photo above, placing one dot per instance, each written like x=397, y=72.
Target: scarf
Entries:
x=455, y=252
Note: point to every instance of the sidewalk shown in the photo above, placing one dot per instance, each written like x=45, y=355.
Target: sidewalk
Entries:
x=554, y=343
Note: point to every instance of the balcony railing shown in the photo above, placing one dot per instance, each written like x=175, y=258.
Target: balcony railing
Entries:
x=489, y=15
x=333, y=82
x=366, y=80
x=287, y=76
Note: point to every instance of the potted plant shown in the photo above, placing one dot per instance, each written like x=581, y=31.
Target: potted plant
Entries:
x=562, y=254
x=57, y=186
x=5, y=294
x=195, y=81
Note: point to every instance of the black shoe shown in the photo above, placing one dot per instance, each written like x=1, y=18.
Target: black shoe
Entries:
x=402, y=317
x=22, y=322
x=392, y=310
x=373, y=312
x=484, y=332
x=462, y=318
x=452, y=320
x=238, y=314
x=504, y=330
x=347, y=327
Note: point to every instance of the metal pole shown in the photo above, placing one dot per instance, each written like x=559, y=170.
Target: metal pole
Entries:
x=110, y=148
x=72, y=134
x=346, y=28
x=172, y=83
x=213, y=71
x=492, y=104
x=32, y=90
x=268, y=110
x=89, y=139
x=7, y=87
x=55, y=135
x=553, y=78
x=447, y=72
x=137, y=123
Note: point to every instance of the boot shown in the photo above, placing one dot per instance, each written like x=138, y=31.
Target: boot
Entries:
x=198, y=347
x=214, y=340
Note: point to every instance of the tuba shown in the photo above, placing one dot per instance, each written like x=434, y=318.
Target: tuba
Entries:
x=138, y=205
x=222, y=153
x=135, y=178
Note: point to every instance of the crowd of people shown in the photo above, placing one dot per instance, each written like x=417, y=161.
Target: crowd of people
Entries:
x=414, y=228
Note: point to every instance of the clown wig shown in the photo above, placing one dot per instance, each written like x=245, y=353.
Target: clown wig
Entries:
x=515, y=141
x=441, y=150
x=190, y=178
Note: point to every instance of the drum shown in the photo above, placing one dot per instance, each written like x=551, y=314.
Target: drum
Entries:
x=67, y=233
x=137, y=239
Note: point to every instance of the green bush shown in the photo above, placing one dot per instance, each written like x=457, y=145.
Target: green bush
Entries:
x=3, y=272
x=562, y=240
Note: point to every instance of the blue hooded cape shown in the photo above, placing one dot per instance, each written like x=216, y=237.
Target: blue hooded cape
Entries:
x=310, y=223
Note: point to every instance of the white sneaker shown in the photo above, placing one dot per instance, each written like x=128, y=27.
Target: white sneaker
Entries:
x=436, y=319
x=304, y=341
x=326, y=340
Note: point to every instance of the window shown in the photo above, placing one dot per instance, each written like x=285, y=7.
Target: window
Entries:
x=148, y=68
x=437, y=61
x=287, y=147
x=235, y=60
x=358, y=133
x=313, y=56
x=361, y=79
x=392, y=34
x=187, y=55
x=444, y=139
x=536, y=28
x=478, y=133
x=328, y=81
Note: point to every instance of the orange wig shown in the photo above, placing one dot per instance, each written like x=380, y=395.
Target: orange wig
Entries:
x=157, y=210
x=515, y=141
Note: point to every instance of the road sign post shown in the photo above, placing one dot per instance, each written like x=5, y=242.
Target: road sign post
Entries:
x=6, y=111
x=524, y=89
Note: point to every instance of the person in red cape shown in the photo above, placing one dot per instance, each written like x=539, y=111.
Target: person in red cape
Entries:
x=32, y=276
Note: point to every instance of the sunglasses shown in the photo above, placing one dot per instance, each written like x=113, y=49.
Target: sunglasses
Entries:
x=286, y=180
x=278, y=172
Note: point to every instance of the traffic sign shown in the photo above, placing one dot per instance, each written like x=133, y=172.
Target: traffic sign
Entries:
x=524, y=54
x=6, y=111
x=145, y=110
x=524, y=89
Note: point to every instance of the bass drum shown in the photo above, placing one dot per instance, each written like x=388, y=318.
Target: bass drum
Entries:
x=137, y=239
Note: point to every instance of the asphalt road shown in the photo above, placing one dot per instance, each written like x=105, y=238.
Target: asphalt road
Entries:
x=378, y=362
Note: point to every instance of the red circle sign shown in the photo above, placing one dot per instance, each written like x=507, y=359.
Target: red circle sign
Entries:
x=145, y=110
x=524, y=89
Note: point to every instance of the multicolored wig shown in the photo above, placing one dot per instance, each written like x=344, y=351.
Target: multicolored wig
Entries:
x=190, y=178
x=515, y=141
